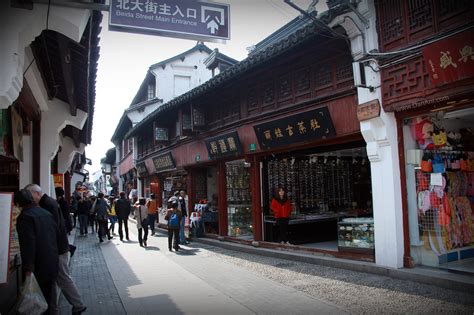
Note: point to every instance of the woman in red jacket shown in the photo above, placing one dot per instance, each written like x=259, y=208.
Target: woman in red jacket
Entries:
x=281, y=208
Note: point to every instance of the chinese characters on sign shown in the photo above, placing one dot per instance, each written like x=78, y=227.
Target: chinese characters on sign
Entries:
x=368, y=110
x=58, y=180
x=187, y=19
x=164, y=162
x=225, y=145
x=316, y=124
x=451, y=59
x=141, y=169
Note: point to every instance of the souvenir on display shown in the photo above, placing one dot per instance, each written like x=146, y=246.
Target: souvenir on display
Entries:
x=423, y=132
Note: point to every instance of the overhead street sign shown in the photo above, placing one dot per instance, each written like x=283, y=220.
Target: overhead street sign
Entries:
x=188, y=19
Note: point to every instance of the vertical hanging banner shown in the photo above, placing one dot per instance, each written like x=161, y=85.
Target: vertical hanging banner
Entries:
x=58, y=180
x=188, y=19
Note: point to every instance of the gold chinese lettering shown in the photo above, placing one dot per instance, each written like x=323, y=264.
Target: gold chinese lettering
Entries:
x=446, y=60
x=231, y=142
x=278, y=133
x=301, y=127
x=214, y=147
x=222, y=145
x=466, y=52
x=290, y=130
x=314, y=124
x=268, y=135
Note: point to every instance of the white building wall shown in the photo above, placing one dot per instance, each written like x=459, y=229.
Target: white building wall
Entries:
x=192, y=67
x=380, y=135
x=19, y=29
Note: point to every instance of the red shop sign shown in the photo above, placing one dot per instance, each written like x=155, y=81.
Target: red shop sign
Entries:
x=451, y=59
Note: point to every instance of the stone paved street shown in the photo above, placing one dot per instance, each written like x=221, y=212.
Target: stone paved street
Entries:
x=121, y=277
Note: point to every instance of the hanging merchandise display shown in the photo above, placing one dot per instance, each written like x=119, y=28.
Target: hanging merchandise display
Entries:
x=444, y=182
x=239, y=199
x=330, y=194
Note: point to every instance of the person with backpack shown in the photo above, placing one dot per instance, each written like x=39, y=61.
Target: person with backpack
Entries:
x=173, y=216
x=141, y=215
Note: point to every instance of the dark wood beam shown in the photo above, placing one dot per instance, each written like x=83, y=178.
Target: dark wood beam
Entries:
x=67, y=71
x=76, y=137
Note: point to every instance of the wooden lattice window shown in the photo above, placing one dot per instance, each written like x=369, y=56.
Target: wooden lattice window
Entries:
x=407, y=22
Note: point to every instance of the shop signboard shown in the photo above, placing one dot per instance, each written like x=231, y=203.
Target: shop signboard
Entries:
x=368, y=110
x=17, y=134
x=311, y=125
x=6, y=206
x=141, y=169
x=164, y=162
x=5, y=134
x=188, y=19
x=161, y=134
x=58, y=180
x=224, y=145
x=450, y=59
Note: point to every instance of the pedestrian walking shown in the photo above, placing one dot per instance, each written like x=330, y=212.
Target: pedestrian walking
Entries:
x=83, y=207
x=183, y=207
x=92, y=219
x=101, y=209
x=152, y=206
x=123, y=209
x=63, y=280
x=37, y=235
x=112, y=215
x=173, y=216
x=141, y=215
x=64, y=207
x=281, y=209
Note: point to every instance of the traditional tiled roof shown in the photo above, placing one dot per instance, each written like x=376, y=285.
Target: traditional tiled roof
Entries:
x=272, y=51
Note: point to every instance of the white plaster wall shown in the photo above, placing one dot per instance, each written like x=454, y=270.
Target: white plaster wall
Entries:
x=19, y=29
x=165, y=77
x=67, y=153
x=26, y=167
x=53, y=121
x=380, y=135
x=136, y=116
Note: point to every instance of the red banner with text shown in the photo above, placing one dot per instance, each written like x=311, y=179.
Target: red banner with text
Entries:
x=451, y=59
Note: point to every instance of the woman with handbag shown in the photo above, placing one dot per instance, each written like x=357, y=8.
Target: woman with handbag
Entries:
x=141, y=215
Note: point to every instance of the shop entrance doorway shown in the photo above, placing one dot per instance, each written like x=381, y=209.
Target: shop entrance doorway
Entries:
x=330, y=192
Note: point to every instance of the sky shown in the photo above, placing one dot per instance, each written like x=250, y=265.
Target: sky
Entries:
x=125, y=58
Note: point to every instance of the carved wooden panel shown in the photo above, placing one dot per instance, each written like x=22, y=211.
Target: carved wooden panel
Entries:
x=284, y=87
x=322, y=74
x=405, y=79
x=302, y=80
x=252, y=98
x=391, y=20
x=420, y=14
x=268, y=92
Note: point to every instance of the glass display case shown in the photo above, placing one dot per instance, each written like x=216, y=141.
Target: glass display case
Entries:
x=356, y=234
x=239, y=210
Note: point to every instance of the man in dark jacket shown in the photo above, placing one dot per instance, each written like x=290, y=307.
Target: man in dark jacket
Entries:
x=64, y=280
x=122, y=209
x=37, y=234
x=101, y=215
x=64, y=207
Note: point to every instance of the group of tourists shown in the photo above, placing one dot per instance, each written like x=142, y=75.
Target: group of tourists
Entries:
x=43, y=226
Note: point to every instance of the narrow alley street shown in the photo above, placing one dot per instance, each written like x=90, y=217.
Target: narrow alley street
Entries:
x=121, y=277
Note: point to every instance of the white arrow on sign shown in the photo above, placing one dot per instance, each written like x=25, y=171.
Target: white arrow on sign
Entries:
x=212, y=26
